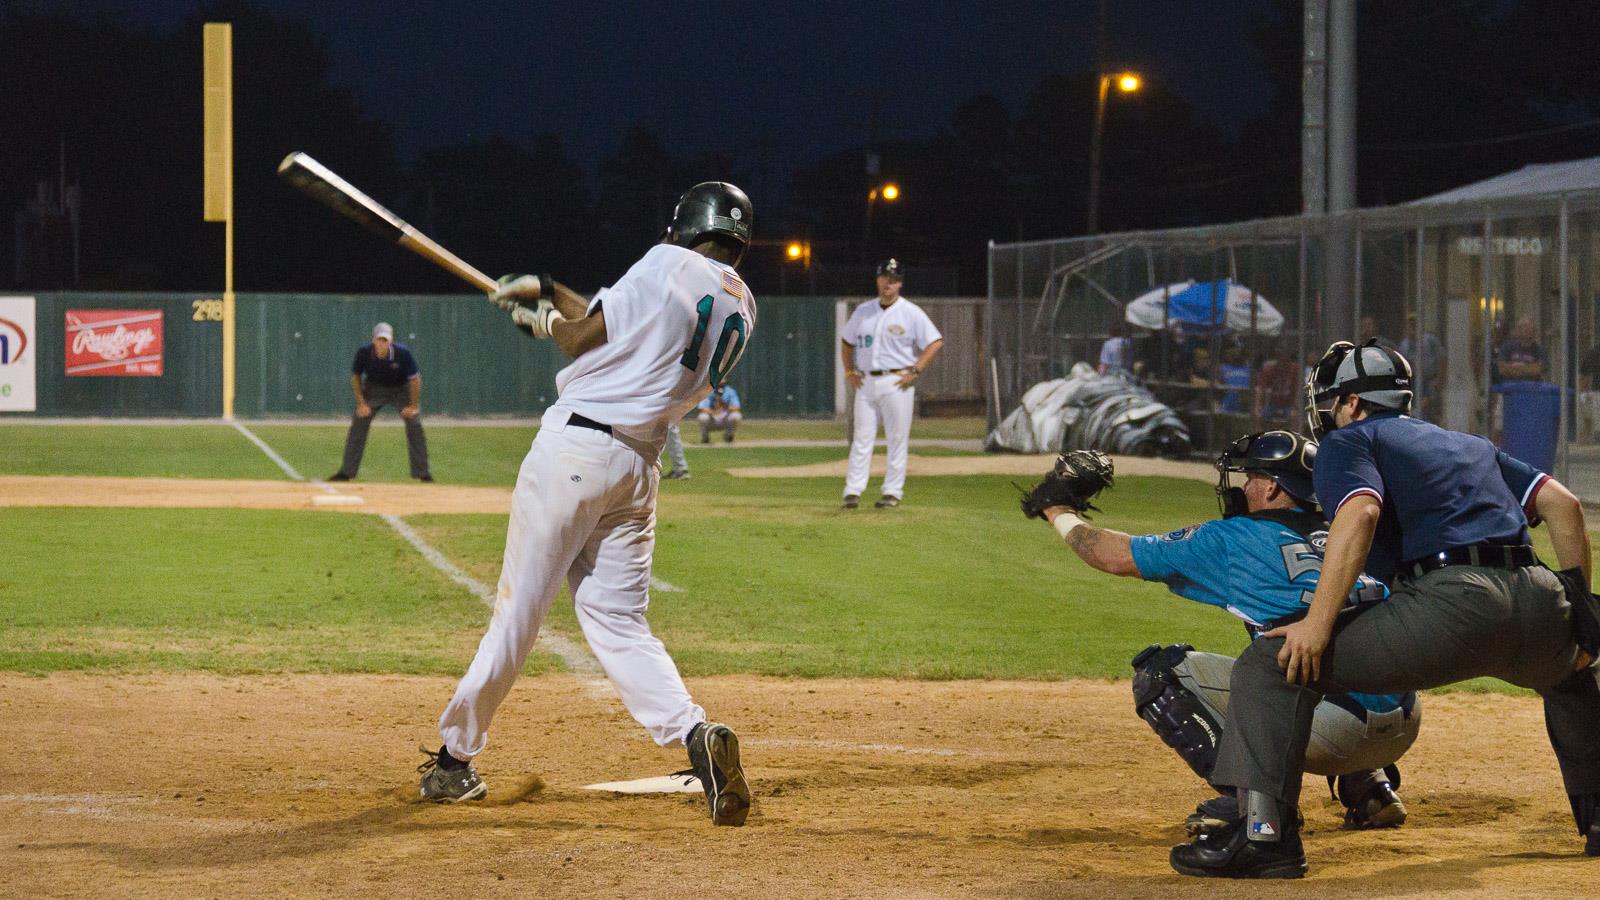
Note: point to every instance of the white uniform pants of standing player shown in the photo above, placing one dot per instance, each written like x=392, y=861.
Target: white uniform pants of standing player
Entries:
x=584, y=509
x=881, y=398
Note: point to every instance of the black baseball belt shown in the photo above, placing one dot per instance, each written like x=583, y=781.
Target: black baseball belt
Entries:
x=876, y=372
x=586, y=422
x=1489, y=556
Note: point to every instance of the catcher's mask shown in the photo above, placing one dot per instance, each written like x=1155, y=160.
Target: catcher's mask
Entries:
x=1283, y=456
x=1374, y=373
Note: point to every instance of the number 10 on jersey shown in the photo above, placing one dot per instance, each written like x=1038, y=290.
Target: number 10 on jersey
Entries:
x=723, y=359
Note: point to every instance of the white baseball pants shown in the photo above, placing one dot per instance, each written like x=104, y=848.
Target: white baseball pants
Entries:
x=880, y=398
x=585, y=509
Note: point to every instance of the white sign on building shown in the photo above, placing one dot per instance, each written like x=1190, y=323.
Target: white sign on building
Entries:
x=19, y=348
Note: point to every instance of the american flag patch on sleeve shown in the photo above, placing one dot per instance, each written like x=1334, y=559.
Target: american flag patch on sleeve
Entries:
x=732, y=284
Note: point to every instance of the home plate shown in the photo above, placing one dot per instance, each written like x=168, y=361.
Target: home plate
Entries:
x=336, y=500
x=661, y=784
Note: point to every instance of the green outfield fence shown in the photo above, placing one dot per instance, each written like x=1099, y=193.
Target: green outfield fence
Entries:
x=294, y=354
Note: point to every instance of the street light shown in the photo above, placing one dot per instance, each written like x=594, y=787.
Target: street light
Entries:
x=1127, y=83
x=889, y=192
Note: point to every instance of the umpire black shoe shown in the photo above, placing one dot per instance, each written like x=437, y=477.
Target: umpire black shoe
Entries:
x=714, y=760
x=1229, y=853
x=1592, y=846
x=338, y=476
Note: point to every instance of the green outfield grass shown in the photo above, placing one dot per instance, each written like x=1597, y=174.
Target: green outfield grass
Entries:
x=228, y=591
x=777, y=579
x=460, y=454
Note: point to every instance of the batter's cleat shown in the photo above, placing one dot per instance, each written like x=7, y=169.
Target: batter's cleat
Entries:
x=887, y=501
x=1212, y=815
x=714, y=759
x=451, y=782
x=851, y=501
x=338, y=476
x=1229, y=853
x=678, y=474
x=1380, y=808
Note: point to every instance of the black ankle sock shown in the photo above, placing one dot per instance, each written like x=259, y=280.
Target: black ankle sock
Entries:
x=448, y=762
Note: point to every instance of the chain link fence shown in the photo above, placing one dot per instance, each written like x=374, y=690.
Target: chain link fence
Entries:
x=1495, y=303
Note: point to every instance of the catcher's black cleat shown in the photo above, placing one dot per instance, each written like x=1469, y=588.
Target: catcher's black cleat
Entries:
x=1229, y=853
x=1380, y=808
x=714, y=758
x=1212, y=815
x=851, y=501
x=887, y=501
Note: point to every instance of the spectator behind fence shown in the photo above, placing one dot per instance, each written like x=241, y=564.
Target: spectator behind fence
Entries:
x=1369, y=332
x=1519, y=357
x=1427, y=355
x=1278, y=386
x=1234, y=374
x=1117, y=351
x=1200, y=371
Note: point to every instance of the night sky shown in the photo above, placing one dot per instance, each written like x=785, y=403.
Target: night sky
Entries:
x=778, y=85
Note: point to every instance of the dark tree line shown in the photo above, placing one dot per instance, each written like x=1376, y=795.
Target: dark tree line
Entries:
x=1449, y=92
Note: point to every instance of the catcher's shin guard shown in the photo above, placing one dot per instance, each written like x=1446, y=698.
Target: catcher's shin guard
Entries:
x=1176, y=715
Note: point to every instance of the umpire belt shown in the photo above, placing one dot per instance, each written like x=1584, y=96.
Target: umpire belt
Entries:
x=1489, y=556
x=876, y=372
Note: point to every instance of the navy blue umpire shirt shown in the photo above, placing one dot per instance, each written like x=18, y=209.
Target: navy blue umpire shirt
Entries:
x=1439, y=488
x=392, y=371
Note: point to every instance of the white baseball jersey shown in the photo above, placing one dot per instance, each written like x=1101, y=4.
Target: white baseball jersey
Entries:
x=890, y=338
x=676, y=324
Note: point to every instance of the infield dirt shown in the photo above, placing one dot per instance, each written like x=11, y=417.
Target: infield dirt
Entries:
x=200, y=785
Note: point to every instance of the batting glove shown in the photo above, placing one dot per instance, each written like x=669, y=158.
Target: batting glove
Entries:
x=520, y=289
x=538, y=319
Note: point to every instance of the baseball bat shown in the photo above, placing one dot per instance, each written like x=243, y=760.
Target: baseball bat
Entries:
x=319, y=182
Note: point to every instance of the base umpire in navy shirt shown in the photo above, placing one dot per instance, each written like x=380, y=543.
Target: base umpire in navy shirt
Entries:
x=1445, y=517
x=385, y=374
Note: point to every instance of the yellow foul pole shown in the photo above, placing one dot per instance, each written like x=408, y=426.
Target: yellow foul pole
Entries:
x=217, y=53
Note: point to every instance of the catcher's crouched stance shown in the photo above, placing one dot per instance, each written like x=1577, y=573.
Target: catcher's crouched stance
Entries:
x=1261, y=562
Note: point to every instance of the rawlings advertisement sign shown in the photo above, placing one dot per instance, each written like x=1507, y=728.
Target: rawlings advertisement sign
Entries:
x=114, y=342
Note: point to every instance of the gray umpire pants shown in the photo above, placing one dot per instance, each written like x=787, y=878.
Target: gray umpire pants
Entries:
x=1343, y=742
x=355, y=441
x=1451, y=624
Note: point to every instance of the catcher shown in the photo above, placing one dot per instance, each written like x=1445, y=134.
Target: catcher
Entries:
x=1260, y=562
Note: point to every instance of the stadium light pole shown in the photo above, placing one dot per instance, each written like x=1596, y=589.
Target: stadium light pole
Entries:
x=1127, y=83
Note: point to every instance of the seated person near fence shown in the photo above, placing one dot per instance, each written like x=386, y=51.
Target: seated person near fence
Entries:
x=1234, y=374
x=1519, y=357
x=719, y=411
x=1201, y=372
x=1278, y=385
x=1117, y=351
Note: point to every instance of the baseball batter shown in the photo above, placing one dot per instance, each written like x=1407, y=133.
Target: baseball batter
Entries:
x=645, y=351
x=1260, y=562
x=886, y=345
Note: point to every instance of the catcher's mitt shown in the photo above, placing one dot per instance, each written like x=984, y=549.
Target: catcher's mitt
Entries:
x=1077, y=477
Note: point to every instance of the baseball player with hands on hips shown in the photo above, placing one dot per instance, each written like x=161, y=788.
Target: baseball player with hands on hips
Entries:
x=1443, y=517
x=1261, y=561
x=645, y=351
x=885, y=346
